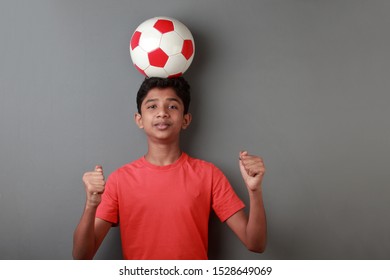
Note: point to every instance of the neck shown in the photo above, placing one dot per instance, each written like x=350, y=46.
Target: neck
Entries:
x=162, y=155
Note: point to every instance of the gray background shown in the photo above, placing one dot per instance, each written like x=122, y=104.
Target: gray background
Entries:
x=304, y=84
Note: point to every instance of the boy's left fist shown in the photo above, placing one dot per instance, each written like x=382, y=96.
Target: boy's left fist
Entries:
x=252, y=170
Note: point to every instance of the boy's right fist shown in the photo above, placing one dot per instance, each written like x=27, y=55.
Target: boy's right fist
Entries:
x=94, y=185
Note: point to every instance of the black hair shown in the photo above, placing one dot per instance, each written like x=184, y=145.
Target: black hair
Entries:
x=179, y=85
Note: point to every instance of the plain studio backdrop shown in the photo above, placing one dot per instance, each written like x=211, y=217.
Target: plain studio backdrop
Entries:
x=304, y=84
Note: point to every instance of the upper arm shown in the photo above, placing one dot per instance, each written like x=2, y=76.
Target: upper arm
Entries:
x=101, y=229
x=237, y=223
x=252, y=233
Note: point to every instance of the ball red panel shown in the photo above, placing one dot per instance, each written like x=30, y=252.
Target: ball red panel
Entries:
x=175, y=75
x=158, y=58
x=188, y=49
x=135, y=40
x=164, y=25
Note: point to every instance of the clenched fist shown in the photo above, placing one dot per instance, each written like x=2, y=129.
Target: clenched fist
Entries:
x=94, y=186
x=252, y=170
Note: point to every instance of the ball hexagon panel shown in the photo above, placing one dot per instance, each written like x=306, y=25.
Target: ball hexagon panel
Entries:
x=176, y=64
x=140, y=58
x=150, y=40
x=153, y=71
x=183, y=31
x=171, y=43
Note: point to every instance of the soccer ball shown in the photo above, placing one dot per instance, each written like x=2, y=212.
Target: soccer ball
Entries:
x=162, y=47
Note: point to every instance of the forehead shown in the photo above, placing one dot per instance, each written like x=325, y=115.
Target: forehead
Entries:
x=161, y=94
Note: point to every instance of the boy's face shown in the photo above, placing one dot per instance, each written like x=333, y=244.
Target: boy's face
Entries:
x=162, y=115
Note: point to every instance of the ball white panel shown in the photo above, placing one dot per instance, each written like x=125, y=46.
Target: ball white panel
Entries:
x=150, y=40
x=153, y=71
x=171, y=43
x=176, y=64
x=140, y=58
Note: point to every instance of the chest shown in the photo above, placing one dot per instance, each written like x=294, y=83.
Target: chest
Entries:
x=165, y=194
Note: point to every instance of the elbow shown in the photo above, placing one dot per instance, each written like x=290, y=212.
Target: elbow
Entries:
x=257, y=247
x=81, y=250
x=257, y=244
x=76, y=255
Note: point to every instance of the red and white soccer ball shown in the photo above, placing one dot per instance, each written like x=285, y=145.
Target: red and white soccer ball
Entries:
x=162, y=47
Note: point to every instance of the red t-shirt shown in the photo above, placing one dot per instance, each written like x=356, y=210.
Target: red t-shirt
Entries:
x=163, y=211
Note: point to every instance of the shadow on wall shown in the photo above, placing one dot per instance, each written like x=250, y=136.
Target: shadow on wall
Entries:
x=111, y=248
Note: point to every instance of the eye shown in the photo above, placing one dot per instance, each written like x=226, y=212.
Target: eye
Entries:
x=153, y=106
x=173, y=107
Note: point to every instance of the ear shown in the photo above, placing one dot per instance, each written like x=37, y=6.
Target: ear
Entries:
x=186, y=120
x=138, y=120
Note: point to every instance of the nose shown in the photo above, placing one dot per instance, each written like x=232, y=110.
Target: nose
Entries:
x=163, y=113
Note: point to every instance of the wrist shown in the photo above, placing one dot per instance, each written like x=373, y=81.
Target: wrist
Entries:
x=255, y=189
x=91, y=205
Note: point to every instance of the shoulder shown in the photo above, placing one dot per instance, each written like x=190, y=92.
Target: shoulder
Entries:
x=199, y=162
x=127, y=168
x=202, y=165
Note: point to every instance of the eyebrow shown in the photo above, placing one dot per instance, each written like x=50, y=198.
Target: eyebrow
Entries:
x=151, y=100
x=168, y=99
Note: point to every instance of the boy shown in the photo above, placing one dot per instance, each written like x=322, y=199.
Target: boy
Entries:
x=162, y=201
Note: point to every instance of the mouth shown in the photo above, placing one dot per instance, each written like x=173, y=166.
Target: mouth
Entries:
x=162, y=125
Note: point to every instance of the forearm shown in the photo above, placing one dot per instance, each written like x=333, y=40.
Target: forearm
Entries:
x=256, y=229
x=84, y=242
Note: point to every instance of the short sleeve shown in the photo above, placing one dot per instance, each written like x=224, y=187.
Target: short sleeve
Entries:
x=225, y=201
x=108, y=208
